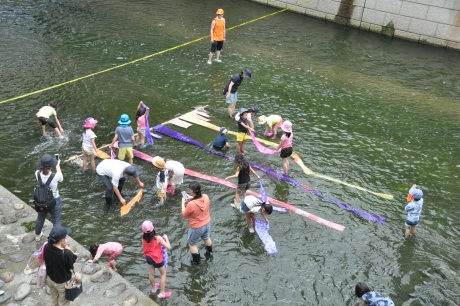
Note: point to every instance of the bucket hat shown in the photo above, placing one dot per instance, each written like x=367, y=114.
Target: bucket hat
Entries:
x=417, y=194
x=58, y=232
x=47, y=162
x=287, y=126
x=90, y=122
x=247, y=73
x=254, y=109
x=131, y=171
x=220, y=12
x=262, y=119
x=124, y=120
x=147, y=227
x=158, y=162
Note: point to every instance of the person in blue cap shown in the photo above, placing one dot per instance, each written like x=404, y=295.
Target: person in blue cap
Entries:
x=231, y=88
x=414, y=209
x=124, y=134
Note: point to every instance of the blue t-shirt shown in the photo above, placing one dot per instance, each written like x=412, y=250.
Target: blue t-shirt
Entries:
x=241, y=128
x=373, y=298
x=236, y=79
x=220, y=141
x=124, y=133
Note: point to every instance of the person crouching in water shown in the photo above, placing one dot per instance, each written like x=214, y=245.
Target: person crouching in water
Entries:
x=221, y=141
x=252, y=205
x=111, y=249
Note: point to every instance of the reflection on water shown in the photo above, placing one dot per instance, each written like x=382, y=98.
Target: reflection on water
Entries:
x=368, y=110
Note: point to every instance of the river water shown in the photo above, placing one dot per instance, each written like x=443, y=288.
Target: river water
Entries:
x=372, y=111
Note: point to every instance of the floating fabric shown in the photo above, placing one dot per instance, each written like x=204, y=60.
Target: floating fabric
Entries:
x=147, y=125
x=165, y=253
x=268, y=134
x=112, y=154
x=127, y=208
x=280, y=209
x=168, y=190
x=364, y=214
x=260, y=147
x=262, y=230
x=262, y=191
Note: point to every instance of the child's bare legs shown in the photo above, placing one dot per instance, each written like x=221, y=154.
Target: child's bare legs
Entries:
x=410, y=230
x=57, y=132
x=274, y=131
x=43, y=130
x=142, y=140
x=173, y=189
x=231, y=109
x=130, y=161
x=239, y=147
x=93, y=165
x=113, y=263
x=237, y=198
x=85, y=158
x=250, y=219
x=286, y=165
x=162, y=280
x=152, y=276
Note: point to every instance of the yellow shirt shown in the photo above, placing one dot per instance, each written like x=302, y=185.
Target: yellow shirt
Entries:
x=46, y=112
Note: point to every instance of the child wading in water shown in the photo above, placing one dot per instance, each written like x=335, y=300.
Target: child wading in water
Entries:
x=44, y=115
x=272, y=122
x=286, y=145
x=124, y=134
x=162, y=179
x=111, y=249
x=89, y=146
x=414, y=209
x=243, y=130
x=252, y=205
x=369, y=297
x=151, y=243
x=141, y=117
x=244, y=180
x=221, y=141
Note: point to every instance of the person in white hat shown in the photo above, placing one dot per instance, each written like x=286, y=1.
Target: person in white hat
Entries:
x=285, y=146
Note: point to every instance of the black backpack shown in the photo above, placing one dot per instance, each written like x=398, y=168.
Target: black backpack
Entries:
x=43, y=195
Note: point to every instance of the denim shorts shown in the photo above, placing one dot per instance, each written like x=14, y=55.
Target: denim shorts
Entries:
x=411, y=223
x=194, y=234
x=233, y=98
x=150, y=261
x=244, y=207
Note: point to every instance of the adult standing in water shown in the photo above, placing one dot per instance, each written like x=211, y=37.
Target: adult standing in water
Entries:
x=218, y=34
x=113, y=173
x=198, y=214
x=231, y=88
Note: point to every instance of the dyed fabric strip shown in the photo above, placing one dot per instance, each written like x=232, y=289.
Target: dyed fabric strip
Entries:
x=364, y=214
x=262, y=149
x=165, y=253
x=112, y=154
x=262, y=191
x=147, y=126
x=262, y=230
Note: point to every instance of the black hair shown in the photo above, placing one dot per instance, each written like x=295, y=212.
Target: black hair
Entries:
x=362, y=288
x=46, y=171
x=288, y=134
x=241, y=162
x=53, y=104
x=196, y=188
x=83, y=130
x=149, y=236
x=93, y=249
x=140, y=112
x=268, y=208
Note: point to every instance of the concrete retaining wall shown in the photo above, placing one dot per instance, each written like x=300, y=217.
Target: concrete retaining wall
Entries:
x=435, y=22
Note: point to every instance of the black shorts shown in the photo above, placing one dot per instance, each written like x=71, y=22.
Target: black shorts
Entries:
x=286, y=152
x=150, y=261
x=44, y=121
x=217, y=45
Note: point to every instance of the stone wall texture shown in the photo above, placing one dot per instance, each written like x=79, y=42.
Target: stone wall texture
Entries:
x=435, y=22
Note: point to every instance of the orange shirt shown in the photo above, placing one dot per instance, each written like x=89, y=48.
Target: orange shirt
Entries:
x=198, y=212
x=219, y=27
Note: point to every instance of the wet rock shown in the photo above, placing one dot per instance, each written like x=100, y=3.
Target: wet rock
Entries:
x=2, y=283
x=9, y=219
x=12, y=239
x=19, y=231
x=18, y=206
x=87, y=304
x=115, y=290
x=93, y=289
x=90, y=268
x=114, y=304
x=48, y=290
x=1, y=212
x=22, y=292
x=2, y=238
x=29, y=302
x=5, y=200
x=8, y=249
x=22, y=214
x=101, y=276
x=83, y=258
x=4, y=297
x=7, y=277
x=130, y=300
x=2, y=264
x=28, y=238
x=33, y=281
x=16, y=257
x=13, y=304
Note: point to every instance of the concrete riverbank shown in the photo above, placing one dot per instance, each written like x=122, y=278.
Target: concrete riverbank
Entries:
x=101, y=285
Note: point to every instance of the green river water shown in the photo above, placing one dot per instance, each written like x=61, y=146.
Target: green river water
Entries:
x=369, y=110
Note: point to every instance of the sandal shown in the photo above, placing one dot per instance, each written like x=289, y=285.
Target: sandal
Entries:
x=155, y=289
x=109, y=265
x=165, y=295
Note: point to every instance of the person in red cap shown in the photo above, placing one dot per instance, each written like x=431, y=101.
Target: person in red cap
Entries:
x=218, y=34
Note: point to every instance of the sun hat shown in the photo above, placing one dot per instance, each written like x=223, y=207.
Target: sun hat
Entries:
x=158, y=162
x=254, y=109
x=124, y=120
x=47, y=162
x=247, y=73
x=287, y=126
x=220, y=12
x=223, y=130
x=147, y=227
x=417, y=194
x=58, y=232
x=90, y=122
x=131, y=171
x=262, y=119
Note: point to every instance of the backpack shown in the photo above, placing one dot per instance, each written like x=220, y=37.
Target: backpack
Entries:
x=43, y=195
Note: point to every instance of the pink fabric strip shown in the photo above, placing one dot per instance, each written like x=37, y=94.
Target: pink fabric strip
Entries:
x=260, y=147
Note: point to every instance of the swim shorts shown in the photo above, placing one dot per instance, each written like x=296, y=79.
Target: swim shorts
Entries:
x=125, y=151
x=240, y=136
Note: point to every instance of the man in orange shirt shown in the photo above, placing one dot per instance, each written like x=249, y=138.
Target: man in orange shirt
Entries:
x=218, y=34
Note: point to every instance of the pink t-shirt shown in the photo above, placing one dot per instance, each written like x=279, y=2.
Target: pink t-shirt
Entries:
x=112, y=249
x=287, y=142
x=141, y=122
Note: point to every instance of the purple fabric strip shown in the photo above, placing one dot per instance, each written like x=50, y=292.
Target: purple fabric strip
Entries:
x=262, y=192
x=165, y=253
x=262, y=230
x=147, y=126
x=364, y=214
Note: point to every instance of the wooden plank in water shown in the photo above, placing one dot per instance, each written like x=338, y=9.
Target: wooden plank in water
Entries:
x=196, y=115
x=180, y=123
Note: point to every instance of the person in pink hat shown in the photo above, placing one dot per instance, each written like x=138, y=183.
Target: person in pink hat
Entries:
x=89, y=145
x=151, y=243
x=285, y=146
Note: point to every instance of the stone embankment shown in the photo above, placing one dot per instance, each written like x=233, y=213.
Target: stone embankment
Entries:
x=101, y=285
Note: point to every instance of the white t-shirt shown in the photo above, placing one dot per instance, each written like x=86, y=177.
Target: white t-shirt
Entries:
x=54, y=183
x=251, y=202
x=87, y=136
x=237, y=117
x=46, y=112
x=175, y=166
x=112, y=168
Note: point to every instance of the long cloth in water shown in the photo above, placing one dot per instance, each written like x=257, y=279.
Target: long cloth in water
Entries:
x=262, y=149
x=262, y=230
x=165, y=253
x=147, y=126
x=263, y=195
x=364, y=214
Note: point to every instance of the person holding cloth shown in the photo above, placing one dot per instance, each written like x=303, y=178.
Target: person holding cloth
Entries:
x=198, y=214
x=252, y=205
x=243, y=130
x=232, y=86
x=124, y=134
x=59, y=260
x=285, y=146
x=162, y=179
x=244, y=180
x=89, y=145
x=272, y=122
x=44, y=115
x=218, y=34
x=113, y=173
x=414, y=209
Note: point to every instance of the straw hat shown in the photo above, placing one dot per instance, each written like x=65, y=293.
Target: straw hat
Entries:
x=158, y=162
x=262, y=119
